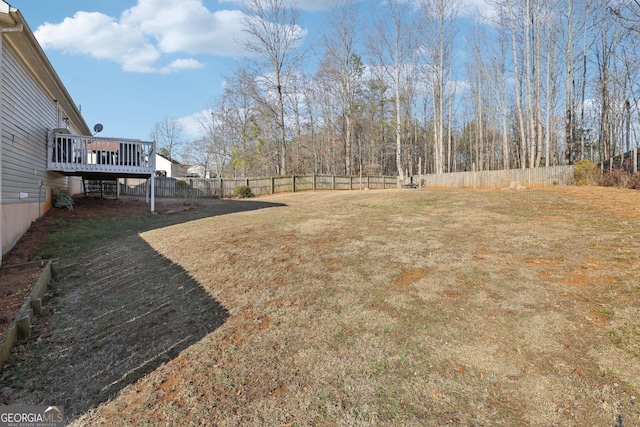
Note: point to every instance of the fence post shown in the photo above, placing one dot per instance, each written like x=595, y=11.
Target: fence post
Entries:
x=273, y=185
x=314, y=182
x=333, y=182
x=635, y=160
x=474, y=176
x=293, y=183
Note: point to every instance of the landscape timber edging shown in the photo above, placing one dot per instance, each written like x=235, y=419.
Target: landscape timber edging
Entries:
x=20, y=327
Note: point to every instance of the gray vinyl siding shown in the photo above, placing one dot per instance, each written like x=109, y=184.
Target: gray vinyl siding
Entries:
x=28, y=112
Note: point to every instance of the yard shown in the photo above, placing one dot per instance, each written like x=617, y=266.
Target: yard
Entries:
x=382, y=307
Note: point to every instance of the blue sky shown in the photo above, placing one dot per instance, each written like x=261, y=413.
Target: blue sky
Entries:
x=128, y=63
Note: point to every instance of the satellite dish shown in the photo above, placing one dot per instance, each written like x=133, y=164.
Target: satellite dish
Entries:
x=97, y=128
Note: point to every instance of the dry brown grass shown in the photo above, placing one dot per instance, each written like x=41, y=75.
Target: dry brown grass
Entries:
x=408, y=307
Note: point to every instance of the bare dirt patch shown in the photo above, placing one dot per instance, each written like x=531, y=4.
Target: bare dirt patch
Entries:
x=435, y=307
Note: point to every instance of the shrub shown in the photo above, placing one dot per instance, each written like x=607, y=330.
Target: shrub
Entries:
x=243, y=191
x=634, y=183
x=63, y=200
x=586, y=172
x=183, y=189
x=616, y=178
x=182, y=185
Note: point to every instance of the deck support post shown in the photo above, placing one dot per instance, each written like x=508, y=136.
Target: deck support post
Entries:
x=153, y=192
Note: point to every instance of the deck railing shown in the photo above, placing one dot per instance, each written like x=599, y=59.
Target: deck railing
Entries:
x=78, y=154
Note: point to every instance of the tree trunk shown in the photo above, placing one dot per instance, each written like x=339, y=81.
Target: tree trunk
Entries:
x=516, y=75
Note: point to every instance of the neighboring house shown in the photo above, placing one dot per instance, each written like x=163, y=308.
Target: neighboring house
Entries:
x=45, y=144
x=198, y=171
x=169, y=167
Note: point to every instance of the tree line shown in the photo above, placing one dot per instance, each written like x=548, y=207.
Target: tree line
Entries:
x=424, y=86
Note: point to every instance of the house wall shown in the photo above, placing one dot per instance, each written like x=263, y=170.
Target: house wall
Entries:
x=27, y=113
x=173, y=169
x=163, y=164
x=19, y=216
x=198, y=171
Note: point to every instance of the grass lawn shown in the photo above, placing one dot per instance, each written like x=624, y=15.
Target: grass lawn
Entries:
x=397, y=307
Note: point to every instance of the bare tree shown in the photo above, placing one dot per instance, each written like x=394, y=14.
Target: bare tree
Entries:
x=513, y=27
x=168, y=134
x=550, y=91
x=439, y=29
x=240, y=110
x=200, y=152
x=627, y=13
x=546, y=76
x=569, y=118
x=212, y=150
x=340, y=43
x=498, y=59
x=394, y=47
x=273, y=36
x=480, y=83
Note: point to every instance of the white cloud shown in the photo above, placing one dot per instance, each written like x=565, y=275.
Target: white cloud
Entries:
x=193, y=125
x=148, y=33
x=480, y=9
x=187, y=26
x=181, y=64
x=100, y=36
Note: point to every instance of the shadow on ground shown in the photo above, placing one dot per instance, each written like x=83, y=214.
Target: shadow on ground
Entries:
x=118, y=312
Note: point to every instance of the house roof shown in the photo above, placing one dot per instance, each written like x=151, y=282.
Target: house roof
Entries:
x=30, y=51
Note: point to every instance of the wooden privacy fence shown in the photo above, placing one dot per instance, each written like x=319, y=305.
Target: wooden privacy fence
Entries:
x=535, y=177
x=223, y=187
x=627, y=161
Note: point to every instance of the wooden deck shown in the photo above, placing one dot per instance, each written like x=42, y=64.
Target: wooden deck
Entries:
x=100, y=158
